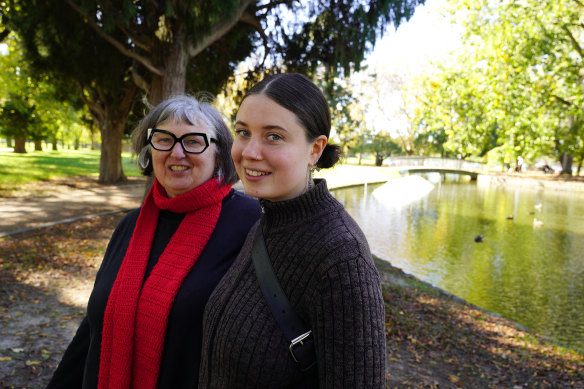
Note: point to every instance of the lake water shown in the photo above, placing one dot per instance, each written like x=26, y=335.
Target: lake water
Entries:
x=529, y=266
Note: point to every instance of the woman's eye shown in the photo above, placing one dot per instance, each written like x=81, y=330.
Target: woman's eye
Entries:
x=192, y=142
x=274, y=137
x=242, y=133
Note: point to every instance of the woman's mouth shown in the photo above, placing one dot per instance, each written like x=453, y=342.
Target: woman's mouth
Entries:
x=255, y=173
x=178, y=168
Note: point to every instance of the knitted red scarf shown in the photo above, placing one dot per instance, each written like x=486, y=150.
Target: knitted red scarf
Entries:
x=136, y=315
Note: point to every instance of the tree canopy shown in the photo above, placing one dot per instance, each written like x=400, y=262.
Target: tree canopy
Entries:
x=517, y=88
x=113, y=48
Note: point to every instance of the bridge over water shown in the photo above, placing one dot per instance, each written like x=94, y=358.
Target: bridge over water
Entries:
x=435, y=164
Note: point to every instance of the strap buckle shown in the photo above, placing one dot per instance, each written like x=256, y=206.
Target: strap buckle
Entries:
x=297, y=342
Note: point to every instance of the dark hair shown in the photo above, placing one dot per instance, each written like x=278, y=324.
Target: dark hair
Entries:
x=187, y=109
x=302, y=97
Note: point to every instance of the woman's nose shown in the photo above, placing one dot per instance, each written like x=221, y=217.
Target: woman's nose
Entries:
x=252, y=150
x=177, y=150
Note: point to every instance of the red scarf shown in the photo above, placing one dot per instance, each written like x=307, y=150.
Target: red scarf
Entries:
x=136, y=315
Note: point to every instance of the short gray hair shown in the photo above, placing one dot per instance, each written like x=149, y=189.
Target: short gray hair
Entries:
x=187, y=109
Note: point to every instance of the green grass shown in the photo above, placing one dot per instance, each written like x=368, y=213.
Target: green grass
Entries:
x=45, y=165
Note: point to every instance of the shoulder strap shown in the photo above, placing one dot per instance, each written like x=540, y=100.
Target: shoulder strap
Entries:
x=294, y=329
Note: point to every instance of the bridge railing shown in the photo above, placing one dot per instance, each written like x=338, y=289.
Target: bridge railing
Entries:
x=436, y=162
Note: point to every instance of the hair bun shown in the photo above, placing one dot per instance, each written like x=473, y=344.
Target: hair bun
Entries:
x=330, y=156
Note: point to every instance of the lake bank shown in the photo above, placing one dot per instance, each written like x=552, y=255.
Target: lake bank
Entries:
x=541, y=182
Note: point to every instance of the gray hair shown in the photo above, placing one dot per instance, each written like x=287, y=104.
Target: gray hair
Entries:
x=186, y=109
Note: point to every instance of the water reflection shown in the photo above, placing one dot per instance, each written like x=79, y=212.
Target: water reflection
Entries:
x=530, y=274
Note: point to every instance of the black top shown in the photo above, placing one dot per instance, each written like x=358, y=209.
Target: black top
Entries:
x=323, y=263
x=182, y=346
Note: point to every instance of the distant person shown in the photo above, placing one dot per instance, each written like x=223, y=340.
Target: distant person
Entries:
x=317, y=251
x=143, y=327
x=519, y=167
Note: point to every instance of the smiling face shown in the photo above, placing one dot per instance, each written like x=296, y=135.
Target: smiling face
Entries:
x=177, y=171
x=271, y=152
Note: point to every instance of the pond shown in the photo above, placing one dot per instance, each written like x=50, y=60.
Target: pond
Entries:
x=528, y=265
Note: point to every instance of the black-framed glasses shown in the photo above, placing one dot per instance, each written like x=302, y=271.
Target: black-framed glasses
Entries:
x=192, y=143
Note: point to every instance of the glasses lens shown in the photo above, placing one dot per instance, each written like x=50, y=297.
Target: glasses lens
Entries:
x=162, y=141
x=194, y=143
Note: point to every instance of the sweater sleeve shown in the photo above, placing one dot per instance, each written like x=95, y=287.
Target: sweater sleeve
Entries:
x=349, y=325
x=69, y=374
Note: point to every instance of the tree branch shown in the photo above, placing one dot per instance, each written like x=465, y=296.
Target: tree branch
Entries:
x=129, y=97
x=219, y=30
x=4, y=34
x=143, y=45
x=95, y=109
x=252, y=20
x=271, y=5
x=561, y=100
x=144, y=61
x=139, y=81
x=575, y=43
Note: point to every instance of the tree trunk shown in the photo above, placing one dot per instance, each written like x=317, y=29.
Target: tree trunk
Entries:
x=9, y=142
x=19, y=145
x=111, y=119
x=76, y=146
x=54, y=143
x=566, y=162
x=360, y=158
x=38, y=145
x=175, y=71
x=110, y=162
x=378, y=159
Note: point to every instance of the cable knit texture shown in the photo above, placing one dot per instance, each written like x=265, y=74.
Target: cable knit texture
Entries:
x=324, y=265
x=137, y=312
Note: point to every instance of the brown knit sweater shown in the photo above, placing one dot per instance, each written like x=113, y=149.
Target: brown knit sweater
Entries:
x=324, y=265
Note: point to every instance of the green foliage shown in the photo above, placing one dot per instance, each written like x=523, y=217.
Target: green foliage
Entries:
x=30, y=104
x=380, y=144
x=339, y=33
x=517, y=86
x=107, y=49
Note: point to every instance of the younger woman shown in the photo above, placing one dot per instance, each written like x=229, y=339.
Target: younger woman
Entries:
x=319, y=255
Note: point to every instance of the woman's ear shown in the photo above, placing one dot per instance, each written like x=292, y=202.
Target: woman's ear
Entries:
x=317, y=148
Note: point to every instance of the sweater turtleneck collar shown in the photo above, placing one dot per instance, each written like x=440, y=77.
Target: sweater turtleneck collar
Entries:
x=310, y=204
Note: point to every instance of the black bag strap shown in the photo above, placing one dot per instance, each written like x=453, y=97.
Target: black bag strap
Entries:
x=300, y=337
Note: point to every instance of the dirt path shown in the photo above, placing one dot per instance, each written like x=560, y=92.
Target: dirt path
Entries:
x=41, y=203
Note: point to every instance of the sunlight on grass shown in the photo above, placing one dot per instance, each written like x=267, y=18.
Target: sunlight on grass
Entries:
x=45, y=165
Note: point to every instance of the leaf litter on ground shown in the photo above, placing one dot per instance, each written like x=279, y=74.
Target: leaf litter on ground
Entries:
x=434, y=340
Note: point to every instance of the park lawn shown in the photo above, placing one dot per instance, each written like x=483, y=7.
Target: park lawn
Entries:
x=17, y=169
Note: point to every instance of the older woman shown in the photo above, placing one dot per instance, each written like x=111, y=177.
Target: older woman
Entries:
x=318, y=253
x=143, y=327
